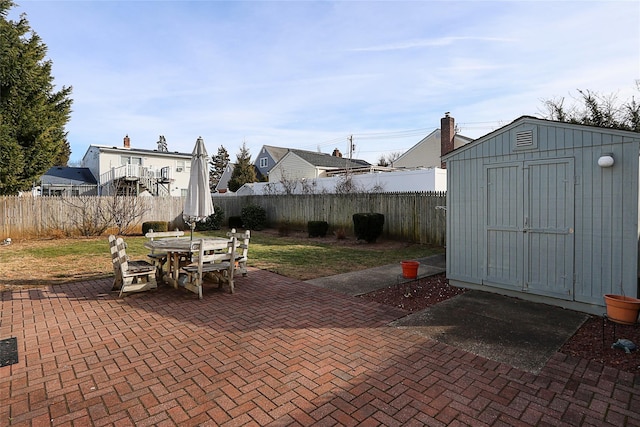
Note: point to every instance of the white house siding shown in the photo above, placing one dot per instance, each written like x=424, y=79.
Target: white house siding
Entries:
x=101, y=159
x=604, y=237
x=91, y=160
x=426, y=153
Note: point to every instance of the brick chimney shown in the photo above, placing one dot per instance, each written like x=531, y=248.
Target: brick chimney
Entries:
x=447, y=133
x=127, y=142
x=336, y=153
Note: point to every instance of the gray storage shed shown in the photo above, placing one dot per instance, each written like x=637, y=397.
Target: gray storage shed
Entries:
x=546, y=211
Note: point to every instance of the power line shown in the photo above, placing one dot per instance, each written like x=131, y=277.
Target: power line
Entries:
x=350, y=139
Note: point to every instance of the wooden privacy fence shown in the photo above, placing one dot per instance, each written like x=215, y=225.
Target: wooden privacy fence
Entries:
x=413, y=217
x=48, y=215
x=416, y=217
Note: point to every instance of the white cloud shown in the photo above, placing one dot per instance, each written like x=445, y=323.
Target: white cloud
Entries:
x=437, y=42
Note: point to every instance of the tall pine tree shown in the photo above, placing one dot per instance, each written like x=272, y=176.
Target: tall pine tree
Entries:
x=218, y=163
x=32, y=114
x=243, y=172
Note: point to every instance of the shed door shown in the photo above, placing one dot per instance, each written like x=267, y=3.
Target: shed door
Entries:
x=530, y=227
x=548, y=227
x=505, y=220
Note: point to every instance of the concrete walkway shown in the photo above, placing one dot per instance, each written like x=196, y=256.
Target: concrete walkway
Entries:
x=362, y=282
x=277, y=352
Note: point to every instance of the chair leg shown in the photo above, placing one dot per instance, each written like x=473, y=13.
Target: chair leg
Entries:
x=126, y=281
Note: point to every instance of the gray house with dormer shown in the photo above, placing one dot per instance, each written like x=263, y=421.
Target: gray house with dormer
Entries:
x=266, y=159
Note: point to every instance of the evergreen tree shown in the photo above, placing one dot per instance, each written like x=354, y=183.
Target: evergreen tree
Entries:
x=218, y=163
x=32, y=115
x=243, y=172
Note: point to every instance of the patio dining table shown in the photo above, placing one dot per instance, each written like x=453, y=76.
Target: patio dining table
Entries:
x=178, y=248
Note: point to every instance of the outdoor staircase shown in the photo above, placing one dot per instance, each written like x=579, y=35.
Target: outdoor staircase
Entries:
x=131, y=180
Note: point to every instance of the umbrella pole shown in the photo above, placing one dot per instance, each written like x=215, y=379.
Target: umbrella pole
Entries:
x=193, y=225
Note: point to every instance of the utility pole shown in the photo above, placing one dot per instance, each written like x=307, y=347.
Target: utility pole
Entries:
x=351, y=146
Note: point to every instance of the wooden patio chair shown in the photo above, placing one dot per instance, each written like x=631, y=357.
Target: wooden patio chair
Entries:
x=130, y=276
x=220, y=264
x=242, y=252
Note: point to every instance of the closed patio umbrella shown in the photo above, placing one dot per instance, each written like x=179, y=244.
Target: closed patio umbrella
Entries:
x=198, y=205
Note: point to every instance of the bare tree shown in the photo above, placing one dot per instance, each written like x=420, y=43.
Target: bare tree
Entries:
x=91, y=219
x=595, y=109
x=270, y=189
x=309, y=186
x=388, y=159
x=289, y=185
x=127, y=210
x=378, y=188
x=346, y=185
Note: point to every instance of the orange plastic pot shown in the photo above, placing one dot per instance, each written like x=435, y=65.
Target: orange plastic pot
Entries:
x=410, y=269
x=622, y=309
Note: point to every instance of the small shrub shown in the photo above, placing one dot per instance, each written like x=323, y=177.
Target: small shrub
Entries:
x=213, y=222
x=340, y=233
x=368, y=226
x=254, y=217
x=284, y=228
x=235, y=222
x=317, y=228
x=157, y=226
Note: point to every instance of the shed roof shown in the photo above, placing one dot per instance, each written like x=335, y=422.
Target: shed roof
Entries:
x=530, y=119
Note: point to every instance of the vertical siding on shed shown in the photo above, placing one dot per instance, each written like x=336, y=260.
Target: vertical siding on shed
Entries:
x=606, y=218
x=606, y=204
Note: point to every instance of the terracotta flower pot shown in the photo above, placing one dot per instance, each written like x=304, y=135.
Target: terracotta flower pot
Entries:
x=622, y=309
x=410, y=269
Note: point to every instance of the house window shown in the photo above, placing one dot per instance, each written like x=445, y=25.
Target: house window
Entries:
x=264, y=162
x=128, y=160
x=180, y=166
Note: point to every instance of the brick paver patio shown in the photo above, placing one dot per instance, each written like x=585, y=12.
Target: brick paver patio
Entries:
x=277, y=352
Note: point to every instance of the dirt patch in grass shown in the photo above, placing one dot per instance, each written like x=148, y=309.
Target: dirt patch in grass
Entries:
x=20, y=269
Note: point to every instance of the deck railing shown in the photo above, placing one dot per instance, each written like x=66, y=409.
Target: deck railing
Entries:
x=147, y=176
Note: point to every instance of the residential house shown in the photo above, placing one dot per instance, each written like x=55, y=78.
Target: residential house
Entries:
x=546, y=211
x=300, y=164
x=426, y=153
x=223, y=185
x=267, y=159
x=136, y=171
x=68, y=181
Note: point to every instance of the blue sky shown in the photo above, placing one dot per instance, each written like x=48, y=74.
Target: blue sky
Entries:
x=307, y=75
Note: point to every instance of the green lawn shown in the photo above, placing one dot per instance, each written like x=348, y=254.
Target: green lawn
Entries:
x=62, y=260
